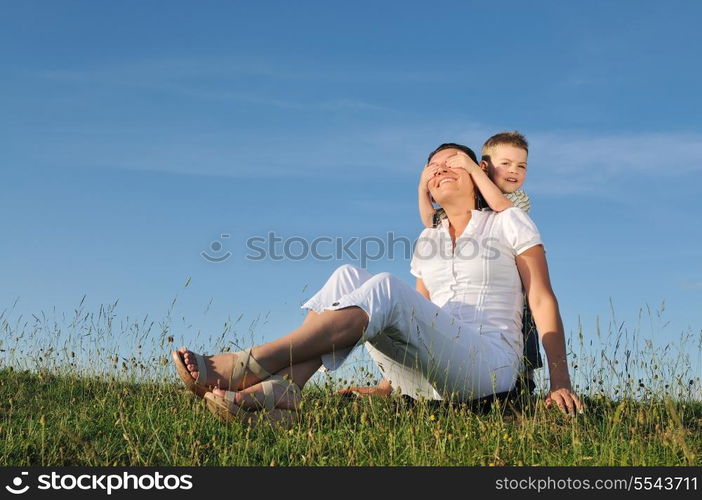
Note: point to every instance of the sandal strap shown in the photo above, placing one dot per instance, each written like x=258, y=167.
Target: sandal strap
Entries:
x=267, y=386
x=254, y=366
x=201, y=369
x=244, y=363
x=268, y=393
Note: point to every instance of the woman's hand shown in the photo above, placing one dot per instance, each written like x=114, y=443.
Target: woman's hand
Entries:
x=462, y=160
x=427, y=175
x=566, y=400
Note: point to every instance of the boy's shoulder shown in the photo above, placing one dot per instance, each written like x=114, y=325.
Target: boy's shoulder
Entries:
x=519, y=199
x=439, y=215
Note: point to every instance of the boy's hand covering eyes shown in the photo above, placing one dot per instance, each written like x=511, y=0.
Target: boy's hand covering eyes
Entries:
x=462, y=160
x=427, y=175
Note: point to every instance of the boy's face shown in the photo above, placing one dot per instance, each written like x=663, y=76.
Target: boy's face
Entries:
x=507, y=167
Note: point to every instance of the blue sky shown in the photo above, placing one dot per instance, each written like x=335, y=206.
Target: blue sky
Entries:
x=134, y=134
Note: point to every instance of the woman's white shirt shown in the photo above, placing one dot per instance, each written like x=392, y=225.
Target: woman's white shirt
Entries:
x=478, y=281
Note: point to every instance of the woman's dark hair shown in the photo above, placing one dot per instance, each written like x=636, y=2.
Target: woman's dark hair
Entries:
x=460, y=147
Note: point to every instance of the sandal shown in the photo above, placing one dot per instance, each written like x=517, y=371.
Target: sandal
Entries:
x=239, y=370
x=226, y=409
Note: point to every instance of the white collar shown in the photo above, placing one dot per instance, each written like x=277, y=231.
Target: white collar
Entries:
x=471, y=224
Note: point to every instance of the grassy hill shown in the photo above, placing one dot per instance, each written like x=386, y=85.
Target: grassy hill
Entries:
x=52, y=420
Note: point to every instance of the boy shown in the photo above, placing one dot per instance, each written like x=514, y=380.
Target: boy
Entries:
x=502, y=171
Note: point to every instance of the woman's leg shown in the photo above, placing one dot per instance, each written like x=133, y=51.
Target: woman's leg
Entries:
x=253, y=396
x=342, y=281
x=319, y=334
x=399, y=322
x=451, y=356
x=406, y=380
x=299, y=374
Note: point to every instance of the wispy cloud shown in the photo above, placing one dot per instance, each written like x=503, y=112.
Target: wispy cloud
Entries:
x=218, y=79
x=691, y=285
x=581, y=163
x=220, y=68
x=562, y=162
x=559, y=162
x=180, y=86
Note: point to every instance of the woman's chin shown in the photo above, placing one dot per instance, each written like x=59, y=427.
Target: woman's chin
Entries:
x=449, y=193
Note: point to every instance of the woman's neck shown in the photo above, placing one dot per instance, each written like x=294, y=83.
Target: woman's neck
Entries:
x=459, y=216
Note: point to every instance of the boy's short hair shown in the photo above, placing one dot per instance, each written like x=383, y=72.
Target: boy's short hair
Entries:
x=513, y=138
x=453, y=145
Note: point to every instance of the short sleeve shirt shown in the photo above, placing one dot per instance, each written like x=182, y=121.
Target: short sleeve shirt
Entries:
x=478, y=281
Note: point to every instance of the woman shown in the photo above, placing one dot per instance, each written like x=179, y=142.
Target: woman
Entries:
x=458, y=335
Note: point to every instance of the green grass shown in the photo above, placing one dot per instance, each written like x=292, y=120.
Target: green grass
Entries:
x=51, y=420
x=57, y=406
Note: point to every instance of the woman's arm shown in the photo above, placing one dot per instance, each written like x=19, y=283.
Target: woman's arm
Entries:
x=422, y=289
x=533, y=270
x=491, y=193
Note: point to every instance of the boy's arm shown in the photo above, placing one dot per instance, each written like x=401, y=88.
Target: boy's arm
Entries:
x=491, y=193
x=426, y=207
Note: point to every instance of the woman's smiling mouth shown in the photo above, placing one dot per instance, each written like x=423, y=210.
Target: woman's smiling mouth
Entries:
x=446, y=179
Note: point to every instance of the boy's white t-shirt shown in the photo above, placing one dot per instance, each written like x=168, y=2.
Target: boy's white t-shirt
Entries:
x=478, y=282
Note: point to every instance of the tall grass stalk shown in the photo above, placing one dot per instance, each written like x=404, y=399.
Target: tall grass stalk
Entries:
x=91, y=388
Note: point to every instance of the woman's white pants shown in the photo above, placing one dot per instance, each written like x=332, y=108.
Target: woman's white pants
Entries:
x=424, y=351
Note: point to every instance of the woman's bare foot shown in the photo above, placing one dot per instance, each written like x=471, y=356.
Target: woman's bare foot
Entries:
x=252, y=397
x=383, y=389
x=219, y=368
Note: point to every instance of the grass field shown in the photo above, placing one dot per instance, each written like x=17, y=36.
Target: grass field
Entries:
x=68, y=420
x=58, y=407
